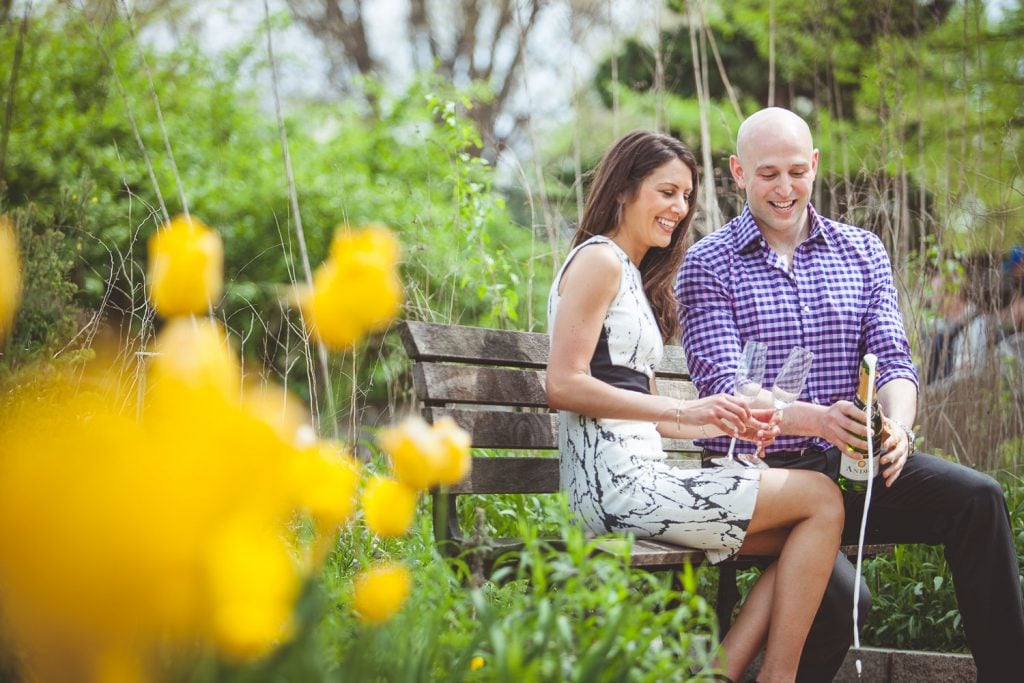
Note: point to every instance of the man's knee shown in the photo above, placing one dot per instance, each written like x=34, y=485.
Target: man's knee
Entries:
x=984, y=496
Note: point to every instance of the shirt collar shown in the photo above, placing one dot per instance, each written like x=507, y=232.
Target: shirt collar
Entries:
x=746, y=236
x=822, y=229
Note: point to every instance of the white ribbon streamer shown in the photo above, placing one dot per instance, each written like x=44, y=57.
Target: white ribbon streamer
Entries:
x=870, y=359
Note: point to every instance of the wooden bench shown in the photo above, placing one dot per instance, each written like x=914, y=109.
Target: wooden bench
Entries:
x=491, y=382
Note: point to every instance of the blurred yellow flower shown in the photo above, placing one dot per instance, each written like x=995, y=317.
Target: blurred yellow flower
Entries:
x=373, y=242
x=326, y=479
x=389, y=507
x=10, y=276
x=414, y=450
x=455, y=451
x=186, y=267
x=476, y=663
x=193, y=354
x=160, y=533
x=380, y=592
x=281, y=409
x=254, y=584
x=356, y=291
x=423, y=456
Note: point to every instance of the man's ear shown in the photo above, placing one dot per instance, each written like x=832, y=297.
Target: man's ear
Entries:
x=737, y=171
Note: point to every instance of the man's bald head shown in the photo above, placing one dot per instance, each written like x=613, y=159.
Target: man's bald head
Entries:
x=772, y=123
x=775, y=165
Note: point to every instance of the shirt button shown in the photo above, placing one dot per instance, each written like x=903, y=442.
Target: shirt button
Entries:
x=807, y=309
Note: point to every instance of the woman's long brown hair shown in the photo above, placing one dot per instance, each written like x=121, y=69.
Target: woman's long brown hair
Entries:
x=617, y=177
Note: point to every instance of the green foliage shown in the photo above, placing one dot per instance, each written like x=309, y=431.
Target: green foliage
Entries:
x=915, y=106
x=411, y=164
x=551, y=616
x=51, y=240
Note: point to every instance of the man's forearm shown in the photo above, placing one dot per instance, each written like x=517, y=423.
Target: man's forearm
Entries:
x=898, y=401
x=803, y=419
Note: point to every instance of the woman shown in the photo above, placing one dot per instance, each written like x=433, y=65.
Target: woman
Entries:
x=610, y=310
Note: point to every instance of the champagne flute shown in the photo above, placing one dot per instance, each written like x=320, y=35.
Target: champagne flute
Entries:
x=747, y=386
x=788, y=386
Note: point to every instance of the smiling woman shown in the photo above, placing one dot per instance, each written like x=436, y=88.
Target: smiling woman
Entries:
x=650, y=219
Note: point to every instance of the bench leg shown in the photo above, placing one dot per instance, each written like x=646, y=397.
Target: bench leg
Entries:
x=728, y=596
x=447, y=533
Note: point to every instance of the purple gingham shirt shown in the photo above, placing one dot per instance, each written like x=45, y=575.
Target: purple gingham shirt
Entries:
x=838, y=301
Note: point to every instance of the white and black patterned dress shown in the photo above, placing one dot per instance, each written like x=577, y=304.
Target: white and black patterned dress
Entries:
x=614, y=470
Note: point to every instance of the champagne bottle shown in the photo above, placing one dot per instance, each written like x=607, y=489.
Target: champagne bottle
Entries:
x=853, y=473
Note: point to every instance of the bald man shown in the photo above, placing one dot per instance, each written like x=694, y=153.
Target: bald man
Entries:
x=783, y=274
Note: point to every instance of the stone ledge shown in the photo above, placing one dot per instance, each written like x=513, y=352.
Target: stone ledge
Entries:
x=881, y=665
x=906, y=666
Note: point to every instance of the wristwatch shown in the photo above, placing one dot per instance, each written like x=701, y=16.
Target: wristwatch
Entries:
x=911, y=436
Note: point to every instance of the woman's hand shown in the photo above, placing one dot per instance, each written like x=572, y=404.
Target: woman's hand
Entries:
x=725, y=412
x=762, y=428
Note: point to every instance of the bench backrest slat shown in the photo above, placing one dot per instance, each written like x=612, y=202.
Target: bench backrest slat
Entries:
x=431, y=342
x=514, y=430
x=514, y=474
x=443, y=383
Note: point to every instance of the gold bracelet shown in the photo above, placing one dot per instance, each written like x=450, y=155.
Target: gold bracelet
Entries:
x=678, y=427
x=704, y=433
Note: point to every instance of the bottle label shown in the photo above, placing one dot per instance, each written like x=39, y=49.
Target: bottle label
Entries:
x=857, y=469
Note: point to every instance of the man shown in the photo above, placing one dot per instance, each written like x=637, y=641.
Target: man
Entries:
x=782, y=274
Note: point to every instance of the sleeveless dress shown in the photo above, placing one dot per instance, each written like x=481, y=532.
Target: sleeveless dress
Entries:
x=614, y=471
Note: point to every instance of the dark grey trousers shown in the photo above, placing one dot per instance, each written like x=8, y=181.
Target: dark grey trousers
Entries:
x=937, y=502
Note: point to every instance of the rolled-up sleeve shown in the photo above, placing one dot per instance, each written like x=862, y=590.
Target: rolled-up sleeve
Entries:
x=710, y=337
x=883, y=333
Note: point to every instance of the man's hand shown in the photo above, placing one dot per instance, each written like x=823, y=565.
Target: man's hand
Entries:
x=843, y=426
x=842, y=418
x=898, y=446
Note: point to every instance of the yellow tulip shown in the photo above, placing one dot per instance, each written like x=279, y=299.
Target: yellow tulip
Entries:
x=280, y=409
x=356, y=291
x=380, y=592
x=332, y=308
x=389, y=507
x=186, y=267
x=254, y=584
x=180, y=524
x=10, y=276
x=373, y=242
x=423, y=456
x=415, y=452
x=455, y=446
x=193, y=354
x=326, y=479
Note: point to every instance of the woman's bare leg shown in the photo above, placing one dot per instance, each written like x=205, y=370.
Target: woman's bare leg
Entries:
x=749, y=631
x=799, y=516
